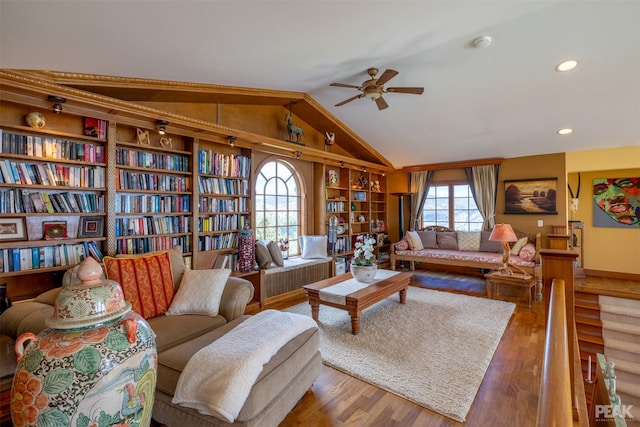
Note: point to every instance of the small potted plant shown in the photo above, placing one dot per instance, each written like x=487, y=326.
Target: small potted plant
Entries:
x=363, y=264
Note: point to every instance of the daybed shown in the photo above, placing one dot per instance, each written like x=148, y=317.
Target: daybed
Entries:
x=443, y=246
x=284, y=378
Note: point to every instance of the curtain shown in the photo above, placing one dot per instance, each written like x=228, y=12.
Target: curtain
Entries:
x=483, y=181
x=420, y=183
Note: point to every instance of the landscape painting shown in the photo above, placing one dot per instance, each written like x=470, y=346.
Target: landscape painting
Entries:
x=530, y=196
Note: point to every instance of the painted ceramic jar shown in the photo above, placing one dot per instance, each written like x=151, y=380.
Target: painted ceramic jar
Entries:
x=95, y=365
x=364, y=273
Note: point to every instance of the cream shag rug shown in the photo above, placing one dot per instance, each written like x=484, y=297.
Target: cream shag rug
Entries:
x=433, y=351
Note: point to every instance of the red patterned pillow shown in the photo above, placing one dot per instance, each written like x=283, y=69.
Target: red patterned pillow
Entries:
x=402, y=245
x=147, y=282
x=528, y=252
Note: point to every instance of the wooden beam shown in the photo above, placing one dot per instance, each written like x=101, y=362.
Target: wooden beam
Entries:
x=454, y=165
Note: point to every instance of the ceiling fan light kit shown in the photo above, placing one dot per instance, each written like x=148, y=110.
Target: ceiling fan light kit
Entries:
x=374, y=88
x=482, y=42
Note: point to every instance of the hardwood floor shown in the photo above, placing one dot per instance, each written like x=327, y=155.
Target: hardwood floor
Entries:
x=508, y=395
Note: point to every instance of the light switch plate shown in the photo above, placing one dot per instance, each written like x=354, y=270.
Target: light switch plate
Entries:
x=540, y=223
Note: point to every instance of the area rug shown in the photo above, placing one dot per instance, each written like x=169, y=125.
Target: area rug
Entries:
x=434, y=350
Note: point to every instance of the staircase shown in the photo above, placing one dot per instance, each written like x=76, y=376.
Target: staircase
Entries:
x=589, y=331
x=621, y=333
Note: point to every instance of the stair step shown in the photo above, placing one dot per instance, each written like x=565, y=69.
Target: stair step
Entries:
x=593, y=339
x=588, y=321
x=587, y=304
x=587, y=312
x=589, y=347
x=582, y=328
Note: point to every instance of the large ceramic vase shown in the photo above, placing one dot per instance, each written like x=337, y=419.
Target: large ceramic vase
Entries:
x=364, y=273
x=95, y=365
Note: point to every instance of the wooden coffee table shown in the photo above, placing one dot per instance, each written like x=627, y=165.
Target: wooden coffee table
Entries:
x=360, y=299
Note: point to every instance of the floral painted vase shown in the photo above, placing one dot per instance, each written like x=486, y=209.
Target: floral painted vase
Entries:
x=95, y=366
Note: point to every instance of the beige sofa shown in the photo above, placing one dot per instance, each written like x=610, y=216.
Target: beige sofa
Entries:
x=283, y=381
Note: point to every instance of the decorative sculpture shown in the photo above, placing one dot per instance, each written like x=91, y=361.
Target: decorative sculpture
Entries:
x=329, y=138
x=293, y=129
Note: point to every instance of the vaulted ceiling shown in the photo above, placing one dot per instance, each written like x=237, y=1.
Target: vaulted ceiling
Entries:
x=503, y=100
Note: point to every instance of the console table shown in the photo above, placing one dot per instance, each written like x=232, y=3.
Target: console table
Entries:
x=498, y=278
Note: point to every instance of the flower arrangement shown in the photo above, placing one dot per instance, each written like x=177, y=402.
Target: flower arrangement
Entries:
x=363, y=255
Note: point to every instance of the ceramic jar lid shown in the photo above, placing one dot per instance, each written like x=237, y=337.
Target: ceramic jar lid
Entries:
x=90, y=302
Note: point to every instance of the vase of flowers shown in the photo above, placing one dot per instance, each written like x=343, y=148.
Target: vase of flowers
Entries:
x=363, y=264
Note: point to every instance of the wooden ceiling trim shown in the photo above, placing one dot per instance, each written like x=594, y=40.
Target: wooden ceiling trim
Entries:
x=454, y=165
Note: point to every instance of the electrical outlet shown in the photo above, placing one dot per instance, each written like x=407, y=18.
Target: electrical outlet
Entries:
x=540, y=223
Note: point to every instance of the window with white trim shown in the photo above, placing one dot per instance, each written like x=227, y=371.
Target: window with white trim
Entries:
x=452, y=206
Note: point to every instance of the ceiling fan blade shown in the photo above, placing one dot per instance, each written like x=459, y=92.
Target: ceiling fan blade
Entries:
x=386, y=76
x=414, y=90
x=381, y=103
x=349, y=100
x=344, y=85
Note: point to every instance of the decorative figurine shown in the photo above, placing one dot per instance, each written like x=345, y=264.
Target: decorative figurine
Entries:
x=293, y=129
x=329, y=138
x=35, y=120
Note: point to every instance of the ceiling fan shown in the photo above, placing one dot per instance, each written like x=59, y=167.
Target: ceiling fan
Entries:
x=374, y=88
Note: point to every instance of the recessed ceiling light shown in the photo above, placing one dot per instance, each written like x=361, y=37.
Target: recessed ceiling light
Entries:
x=567, y=65
x=565, y=131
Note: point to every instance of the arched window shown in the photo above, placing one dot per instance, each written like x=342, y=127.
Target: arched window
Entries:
x=278, y=204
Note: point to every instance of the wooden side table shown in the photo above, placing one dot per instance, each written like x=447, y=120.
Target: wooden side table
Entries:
x=498, y=278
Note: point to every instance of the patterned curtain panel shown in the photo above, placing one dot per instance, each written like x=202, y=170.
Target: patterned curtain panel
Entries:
x=420, y=183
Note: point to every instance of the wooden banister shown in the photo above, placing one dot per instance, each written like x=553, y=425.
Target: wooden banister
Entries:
x=554, y=406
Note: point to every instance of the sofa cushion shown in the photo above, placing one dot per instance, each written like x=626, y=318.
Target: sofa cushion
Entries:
x=469, y=241
x=402, y=244
x=313, y=247
x=263, y=256
x=177, y=262
x=276, y=255
x=515, y=249
x=528, y=252
x=174, y=330
x=415, y=243
x=147, y=282
x=447, y=240
x=487, y=245
x=200, y=292
x=428, y=239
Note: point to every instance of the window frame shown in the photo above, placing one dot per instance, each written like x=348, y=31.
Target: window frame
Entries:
x=451, y=206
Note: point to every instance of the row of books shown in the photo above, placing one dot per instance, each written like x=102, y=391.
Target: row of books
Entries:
x=222, y=223
x=150, y=203
x=141, y=245
x=51, y=174
x=219, y=241
x=223, y=186
x=336, y=207
x=213, y=204
x=231, y=165
x=22, y=259
x=20, y=200
x=126, y=180
x=343, y=244
x=229, y=261
x=51, y=148
x=152, y=225
x=145, y=159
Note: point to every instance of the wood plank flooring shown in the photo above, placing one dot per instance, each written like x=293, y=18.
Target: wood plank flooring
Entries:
x=508, y=395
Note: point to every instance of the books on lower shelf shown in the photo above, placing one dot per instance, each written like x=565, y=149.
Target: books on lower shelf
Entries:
x=34, y=258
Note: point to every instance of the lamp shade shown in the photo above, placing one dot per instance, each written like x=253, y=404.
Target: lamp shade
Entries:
x=503, y=233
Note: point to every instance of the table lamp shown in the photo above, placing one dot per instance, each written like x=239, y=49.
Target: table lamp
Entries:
x=504, y=234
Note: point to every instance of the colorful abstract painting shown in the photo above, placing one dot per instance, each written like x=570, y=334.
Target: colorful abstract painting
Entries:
x=616, y=202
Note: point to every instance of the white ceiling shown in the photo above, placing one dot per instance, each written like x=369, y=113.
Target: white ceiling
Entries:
x=505, y=100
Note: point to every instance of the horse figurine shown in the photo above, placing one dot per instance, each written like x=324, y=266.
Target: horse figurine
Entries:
x=293, y=129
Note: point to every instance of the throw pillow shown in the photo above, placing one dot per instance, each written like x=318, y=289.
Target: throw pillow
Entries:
x=313, y=246
x=528, y=252
x=402, y=245
x=469, y=241
x=200, y=292
x=415, y=243
x=147, y=282
x=428, y=239
x=487, y=245
x=177, y=262
x=263, y=257
x=276, y=255
x=515, y=249
x=447, y=240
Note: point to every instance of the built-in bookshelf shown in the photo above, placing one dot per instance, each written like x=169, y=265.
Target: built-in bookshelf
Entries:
x=224, y=204
x=153, y=197
x=52, y=196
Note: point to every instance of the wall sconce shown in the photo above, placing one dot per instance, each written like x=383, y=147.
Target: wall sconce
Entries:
x=364, y=169
x=232, y=140
x=298, y=154
x=382, y=173
x=57, y=103
x=341, y=164
x=162, y=126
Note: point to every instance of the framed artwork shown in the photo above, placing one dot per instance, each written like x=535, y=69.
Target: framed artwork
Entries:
x=530, y=196
x=12, y=229
x=54, y=230
x=616, y=202
x=91, y=226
